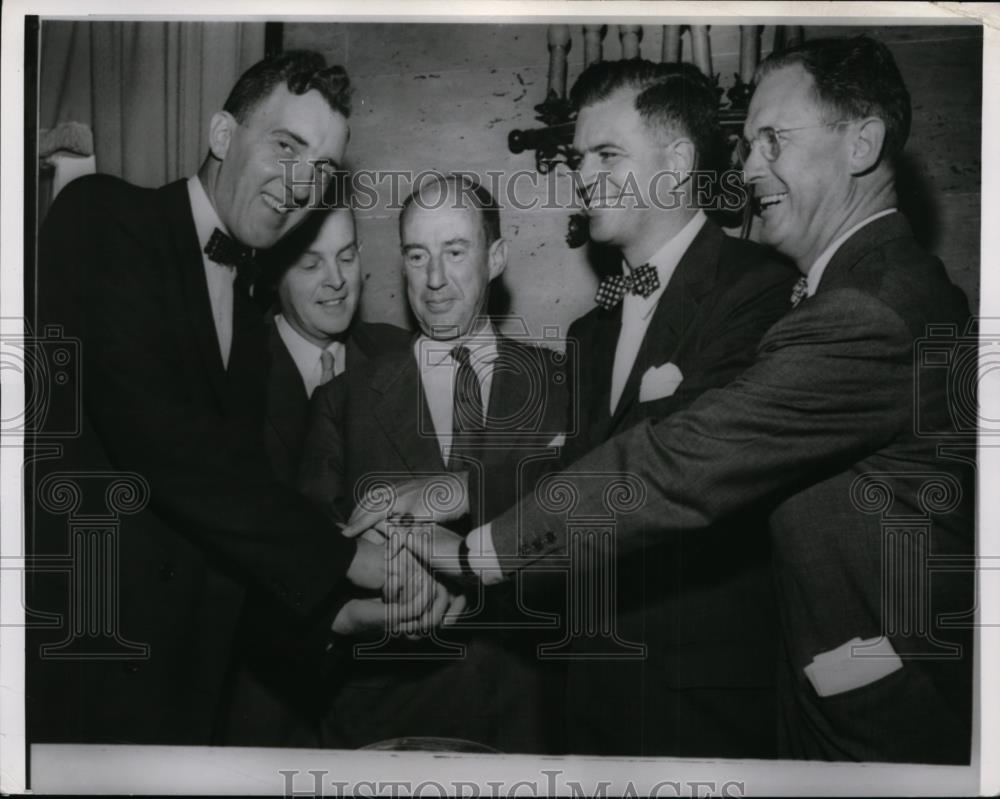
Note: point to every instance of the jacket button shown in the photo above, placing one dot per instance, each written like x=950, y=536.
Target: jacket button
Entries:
x=131, y=667
x=167, y=572
x=536, y=545
x=299, y=599
x=550, y=537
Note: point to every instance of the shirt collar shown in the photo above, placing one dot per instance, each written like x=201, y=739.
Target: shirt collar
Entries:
x=666, y=259
x=431, y=353
x=820, y=264
x=304, y=353
x=206, y=219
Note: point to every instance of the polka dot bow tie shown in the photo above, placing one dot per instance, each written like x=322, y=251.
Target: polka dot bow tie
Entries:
x=799, y=291
x=643, y=281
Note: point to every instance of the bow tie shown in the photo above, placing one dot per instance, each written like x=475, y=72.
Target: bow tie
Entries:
x=642, y=281
x=226, y=251
x=799, y=291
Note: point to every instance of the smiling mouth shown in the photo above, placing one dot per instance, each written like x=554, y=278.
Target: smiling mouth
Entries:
x=276, y=205
x=767, y=201
x=331, y=303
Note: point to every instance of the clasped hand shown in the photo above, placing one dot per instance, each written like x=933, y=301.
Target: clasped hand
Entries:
x=412, y=602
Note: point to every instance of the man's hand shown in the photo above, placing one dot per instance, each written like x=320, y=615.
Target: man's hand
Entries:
x=435, y=547
x=368, y=569
x=440, y=498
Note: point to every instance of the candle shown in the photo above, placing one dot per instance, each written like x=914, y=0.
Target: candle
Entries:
x=593, y=47
x=701, y=49
x=749, y=51
x=559, y=44
x=671, y=44
x=630, y=36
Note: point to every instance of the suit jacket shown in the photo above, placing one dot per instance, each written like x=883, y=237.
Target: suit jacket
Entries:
x=374, y=424
x=287, y=401
x=270, y=705
x=712, y=624
x=841, y=427
x=200, y=516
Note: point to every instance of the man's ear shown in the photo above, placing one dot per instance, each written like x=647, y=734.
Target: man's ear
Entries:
x=220, y=133
x=682, y=156
x=866, y=145
x=498, y=258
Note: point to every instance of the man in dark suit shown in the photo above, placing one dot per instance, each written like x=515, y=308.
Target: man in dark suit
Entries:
x=316, y=274
x=704, y=684
x=154, y=286
x=315, y=335
x=853, y=440
x=464, y=398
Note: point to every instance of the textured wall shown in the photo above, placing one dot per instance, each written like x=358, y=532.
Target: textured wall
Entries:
x=444, y=97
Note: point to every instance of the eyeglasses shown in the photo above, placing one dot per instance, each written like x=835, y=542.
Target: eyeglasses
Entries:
x=770, y=144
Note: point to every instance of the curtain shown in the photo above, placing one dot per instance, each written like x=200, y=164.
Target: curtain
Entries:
x=146, y=90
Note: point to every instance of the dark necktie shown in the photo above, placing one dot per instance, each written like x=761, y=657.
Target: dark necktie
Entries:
x=467, y=409
x=642, y=281
x=226, y=251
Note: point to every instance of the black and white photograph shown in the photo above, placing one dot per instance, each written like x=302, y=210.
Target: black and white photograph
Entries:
x=499, y=399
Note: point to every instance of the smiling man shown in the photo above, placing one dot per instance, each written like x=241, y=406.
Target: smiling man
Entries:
x=837, y=429
x=462, y=398
x=154, y=284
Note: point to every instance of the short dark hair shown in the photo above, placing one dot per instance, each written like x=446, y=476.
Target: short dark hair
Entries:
x=855, y=77
x=670, y=96
x=465, y=187
x=277, y=260
x=301, y=71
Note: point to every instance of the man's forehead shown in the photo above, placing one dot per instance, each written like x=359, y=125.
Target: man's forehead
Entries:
x=609, y=118
x=784, y=98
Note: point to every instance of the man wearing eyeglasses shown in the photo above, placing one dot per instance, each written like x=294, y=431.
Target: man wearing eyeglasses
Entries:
x=838, y=428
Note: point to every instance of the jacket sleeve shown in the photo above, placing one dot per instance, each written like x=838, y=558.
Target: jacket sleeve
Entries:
x=207, y=472
x=833, y=382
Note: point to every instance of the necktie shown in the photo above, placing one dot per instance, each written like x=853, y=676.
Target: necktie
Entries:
x=799, y=291
x=642, y=281
x=327, y=362
x=226, y=251
x=467, y=408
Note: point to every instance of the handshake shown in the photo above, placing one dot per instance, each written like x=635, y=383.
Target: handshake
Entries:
x=405, y=556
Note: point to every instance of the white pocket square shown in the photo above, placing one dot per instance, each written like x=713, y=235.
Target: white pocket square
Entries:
x=558, y=441
x=660, y=382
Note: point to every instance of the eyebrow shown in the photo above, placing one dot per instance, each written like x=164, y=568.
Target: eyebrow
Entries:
x=303, y=143
x=452, y=242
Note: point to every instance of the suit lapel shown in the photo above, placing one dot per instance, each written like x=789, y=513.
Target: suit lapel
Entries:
x=596, y=361
x=287, y=403
x=401, y=411
x=187, y=257
x=678, y=307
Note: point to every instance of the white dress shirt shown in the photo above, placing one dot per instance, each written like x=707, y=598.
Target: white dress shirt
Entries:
x=307, y=356
x=436, y=367
x=637, y=311
x=819, y=267
x=219, y=278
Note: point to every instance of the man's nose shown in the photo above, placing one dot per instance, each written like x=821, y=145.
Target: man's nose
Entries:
x=334, y=276
x=755, y=167
x=436, y=278
x=585, y=175
x=306, y=180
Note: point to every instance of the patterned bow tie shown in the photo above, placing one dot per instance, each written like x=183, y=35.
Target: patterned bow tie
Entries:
x=226, y=251
x=799, y=291
x=643, y=281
